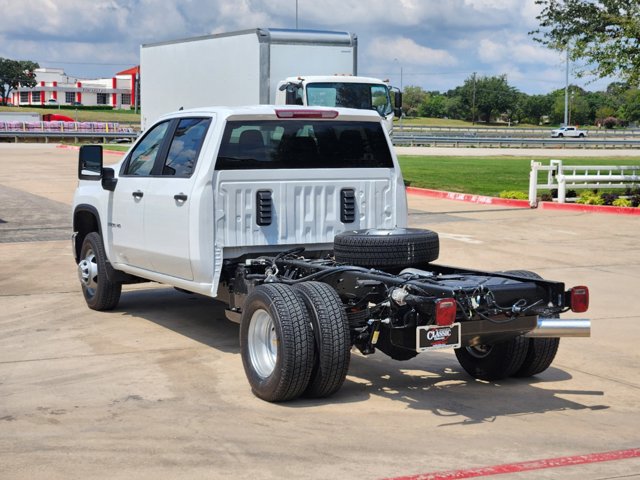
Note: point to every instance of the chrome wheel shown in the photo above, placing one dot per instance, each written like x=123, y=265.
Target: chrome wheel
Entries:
x=262, y=343
x=88, y=272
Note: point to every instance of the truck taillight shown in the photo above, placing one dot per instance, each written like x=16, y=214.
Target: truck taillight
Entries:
x=445, y=311
x=579, y=299
x=281, y=113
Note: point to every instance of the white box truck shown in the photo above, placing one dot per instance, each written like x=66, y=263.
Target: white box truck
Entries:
x=260, y=66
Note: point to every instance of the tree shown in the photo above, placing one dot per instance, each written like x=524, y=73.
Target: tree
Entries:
x=493, y=97
x=14, y=73
x=630, y=110
x=412, y=98
x=604, y=33
x=435, y=106
x=537, y=107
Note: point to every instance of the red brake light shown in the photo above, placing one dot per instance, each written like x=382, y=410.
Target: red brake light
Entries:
x=579, y=299
x=306, y=113
x=445, y=311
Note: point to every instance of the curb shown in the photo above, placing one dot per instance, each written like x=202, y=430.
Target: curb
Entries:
x=466, y=197
x=508, y=202
x=606, y=209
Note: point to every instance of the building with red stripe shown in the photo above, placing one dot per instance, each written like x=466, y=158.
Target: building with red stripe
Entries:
x=55, y=87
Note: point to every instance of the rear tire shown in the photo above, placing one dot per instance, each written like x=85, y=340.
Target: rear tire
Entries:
x=377, y=248
x=332, y=338
x=493, y=362
x=276, y=342
x=541, y=351
x=540, y=354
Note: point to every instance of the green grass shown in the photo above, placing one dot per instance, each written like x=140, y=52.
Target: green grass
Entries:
x=82, y=114
x=484, y=175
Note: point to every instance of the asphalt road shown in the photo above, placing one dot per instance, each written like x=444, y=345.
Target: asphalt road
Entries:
x=156, y=388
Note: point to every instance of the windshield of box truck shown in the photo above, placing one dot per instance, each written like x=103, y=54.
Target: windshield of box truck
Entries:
x=274, y=144
x=350, y=95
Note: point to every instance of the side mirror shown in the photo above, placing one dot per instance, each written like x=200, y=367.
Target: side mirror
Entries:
x=109, y=181
x=291, y=96
x=90, y=162
x=397, y=100
x=397, y=112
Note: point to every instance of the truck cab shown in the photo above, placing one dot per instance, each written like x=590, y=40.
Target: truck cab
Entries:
x=342, y=91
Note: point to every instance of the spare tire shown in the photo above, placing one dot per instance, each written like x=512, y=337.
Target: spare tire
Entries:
x=377, y=248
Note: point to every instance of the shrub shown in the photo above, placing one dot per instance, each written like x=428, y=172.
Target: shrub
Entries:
x=514, y=195
x=610, y=122
x=590, y=198
x=609, y=198
x=621, y=202
x=546, y=197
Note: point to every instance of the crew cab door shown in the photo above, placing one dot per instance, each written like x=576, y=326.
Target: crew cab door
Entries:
x=126, y=213
x=169, y=196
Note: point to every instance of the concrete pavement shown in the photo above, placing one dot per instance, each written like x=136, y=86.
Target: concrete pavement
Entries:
x=156, y=388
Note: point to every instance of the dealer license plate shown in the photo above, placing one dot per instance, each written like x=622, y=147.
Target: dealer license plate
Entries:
x=432, y=337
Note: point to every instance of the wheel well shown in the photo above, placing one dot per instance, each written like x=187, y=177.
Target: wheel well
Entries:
x=84, y=222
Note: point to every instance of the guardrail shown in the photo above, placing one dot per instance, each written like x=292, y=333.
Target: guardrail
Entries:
x=62, y=130
x=508, y=132
x=561, y=176
x=105, y=137
x=416, y=140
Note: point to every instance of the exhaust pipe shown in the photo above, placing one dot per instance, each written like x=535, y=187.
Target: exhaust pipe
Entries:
x=555, y=327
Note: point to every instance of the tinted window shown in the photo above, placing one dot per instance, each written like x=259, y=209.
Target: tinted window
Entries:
x=144, y=154
x=185, y=147
x=277, y=144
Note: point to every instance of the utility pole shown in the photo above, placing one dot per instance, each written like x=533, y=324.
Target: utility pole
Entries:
x=296, y=14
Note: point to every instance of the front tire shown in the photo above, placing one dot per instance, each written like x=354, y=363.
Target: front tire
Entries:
x=276, y=343
x=99, y=291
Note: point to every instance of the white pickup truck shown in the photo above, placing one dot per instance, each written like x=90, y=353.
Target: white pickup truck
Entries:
x=296, y=219
x=573, y=132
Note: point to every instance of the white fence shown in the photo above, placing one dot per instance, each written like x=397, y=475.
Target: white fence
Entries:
x=561, y=177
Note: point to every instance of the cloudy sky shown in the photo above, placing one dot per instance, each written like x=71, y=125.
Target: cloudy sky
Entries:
x=435, y=43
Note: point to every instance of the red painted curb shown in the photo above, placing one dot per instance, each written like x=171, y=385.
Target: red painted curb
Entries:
x=527, y=466
x=466, y=197
x=577, y=207
x=508, y=202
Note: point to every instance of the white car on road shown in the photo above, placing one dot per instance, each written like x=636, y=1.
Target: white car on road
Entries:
x=568, y=132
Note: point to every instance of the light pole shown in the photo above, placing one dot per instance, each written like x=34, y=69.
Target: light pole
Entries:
x=566, y=93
